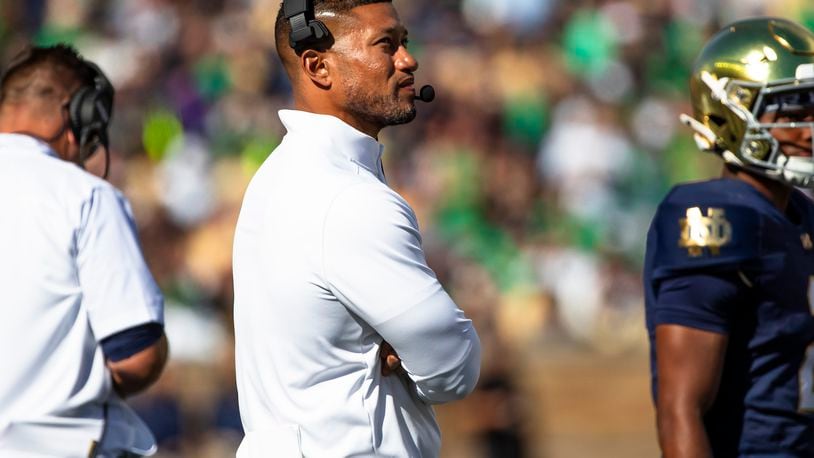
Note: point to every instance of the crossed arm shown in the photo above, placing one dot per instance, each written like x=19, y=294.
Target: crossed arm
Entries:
x=375, y=265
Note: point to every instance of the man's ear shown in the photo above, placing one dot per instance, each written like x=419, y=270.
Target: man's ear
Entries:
x=317, y=67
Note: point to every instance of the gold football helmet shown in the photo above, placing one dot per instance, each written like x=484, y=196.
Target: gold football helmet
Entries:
x=749, y=69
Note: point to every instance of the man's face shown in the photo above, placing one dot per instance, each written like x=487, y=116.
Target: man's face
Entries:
x=375, y=74
x=794, y=141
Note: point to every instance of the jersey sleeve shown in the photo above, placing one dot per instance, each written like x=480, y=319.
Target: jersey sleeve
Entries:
x=118, y=290
x=698, y=248
x=375, y=265
x=690, y=236
x=700, y=300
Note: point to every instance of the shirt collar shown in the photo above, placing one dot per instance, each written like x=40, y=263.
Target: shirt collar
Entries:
x=356, y=146
x=25, y=142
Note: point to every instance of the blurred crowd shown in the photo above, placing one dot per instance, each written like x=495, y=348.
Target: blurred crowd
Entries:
x=534, y=174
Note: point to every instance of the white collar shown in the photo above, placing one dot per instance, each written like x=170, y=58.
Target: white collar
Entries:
x=356, y=146
x=25, y=142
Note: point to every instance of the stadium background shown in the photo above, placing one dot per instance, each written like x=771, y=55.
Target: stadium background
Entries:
x=534, y=175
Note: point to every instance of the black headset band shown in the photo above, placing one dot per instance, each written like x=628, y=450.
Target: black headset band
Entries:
x=305, y=29
x=299, y=13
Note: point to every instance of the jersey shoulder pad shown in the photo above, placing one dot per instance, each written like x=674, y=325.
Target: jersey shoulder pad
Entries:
x=700, y=225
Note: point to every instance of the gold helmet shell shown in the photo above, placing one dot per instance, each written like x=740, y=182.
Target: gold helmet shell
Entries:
x=733, y=77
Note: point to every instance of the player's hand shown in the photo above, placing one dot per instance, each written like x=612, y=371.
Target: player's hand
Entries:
x=391, y=363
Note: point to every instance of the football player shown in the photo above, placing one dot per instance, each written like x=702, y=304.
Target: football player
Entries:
x=729, y=270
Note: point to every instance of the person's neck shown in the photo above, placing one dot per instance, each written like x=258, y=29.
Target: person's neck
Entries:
x=778, y=193
x=358, y=124
x=353, y=121
x=52, y=135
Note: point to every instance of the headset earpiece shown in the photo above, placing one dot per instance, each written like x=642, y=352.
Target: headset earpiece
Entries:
x=89, y=112
x=75, y=111
x=305, y=29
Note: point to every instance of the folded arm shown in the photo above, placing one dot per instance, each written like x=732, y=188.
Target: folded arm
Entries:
x=438, y=347
x=375, y=265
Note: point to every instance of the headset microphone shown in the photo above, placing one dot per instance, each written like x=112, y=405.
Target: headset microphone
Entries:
x=426, y=94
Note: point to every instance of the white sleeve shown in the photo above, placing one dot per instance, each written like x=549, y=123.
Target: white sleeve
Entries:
x=118, y=290
x=374, y=263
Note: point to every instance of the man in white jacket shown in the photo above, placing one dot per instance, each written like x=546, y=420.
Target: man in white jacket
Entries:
x=344, y=336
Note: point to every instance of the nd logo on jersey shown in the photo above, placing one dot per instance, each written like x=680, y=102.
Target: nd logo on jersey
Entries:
x=698, y=231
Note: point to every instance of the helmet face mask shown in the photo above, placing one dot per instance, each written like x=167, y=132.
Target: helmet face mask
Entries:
x=787, y=106
x=753, y=78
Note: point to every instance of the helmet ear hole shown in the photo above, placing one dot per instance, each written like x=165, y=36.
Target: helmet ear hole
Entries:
x=724, y=133
x=719, y=121
x=758, y=149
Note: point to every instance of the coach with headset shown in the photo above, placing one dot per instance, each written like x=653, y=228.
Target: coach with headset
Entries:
x=82, y=318
x=344, y=336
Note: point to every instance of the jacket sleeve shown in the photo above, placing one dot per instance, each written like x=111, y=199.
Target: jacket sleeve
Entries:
x=375, y=265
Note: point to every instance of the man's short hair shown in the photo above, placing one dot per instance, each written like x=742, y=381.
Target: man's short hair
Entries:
x=282, y=28
x=44, y=74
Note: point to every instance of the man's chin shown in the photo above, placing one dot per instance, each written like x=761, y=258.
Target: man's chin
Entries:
x=382, y=112
x=403, y=116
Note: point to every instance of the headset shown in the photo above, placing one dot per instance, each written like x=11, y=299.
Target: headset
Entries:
x=89, y=111
x=305, y=29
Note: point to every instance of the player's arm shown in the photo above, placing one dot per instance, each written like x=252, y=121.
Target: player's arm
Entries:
x=692, y=314
x=689, y=363
x=696, y=292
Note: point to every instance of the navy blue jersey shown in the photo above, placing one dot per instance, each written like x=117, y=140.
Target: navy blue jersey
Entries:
x=722, y=258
